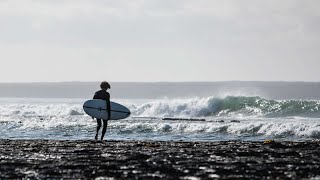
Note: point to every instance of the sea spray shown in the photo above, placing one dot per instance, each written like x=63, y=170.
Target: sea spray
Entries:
x=228, y=106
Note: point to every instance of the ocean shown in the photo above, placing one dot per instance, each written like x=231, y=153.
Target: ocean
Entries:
x=248, y=111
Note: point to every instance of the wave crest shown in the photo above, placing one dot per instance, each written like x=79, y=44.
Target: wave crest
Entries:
x=228, y=106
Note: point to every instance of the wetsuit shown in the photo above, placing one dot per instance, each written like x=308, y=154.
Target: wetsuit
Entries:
x=104, y=95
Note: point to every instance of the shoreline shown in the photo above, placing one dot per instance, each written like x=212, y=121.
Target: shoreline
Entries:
x=86, y=159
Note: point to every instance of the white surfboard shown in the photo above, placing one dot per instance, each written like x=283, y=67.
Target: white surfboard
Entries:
x=98, y=109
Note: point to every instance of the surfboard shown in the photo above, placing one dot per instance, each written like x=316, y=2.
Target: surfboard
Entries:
x=98, y=109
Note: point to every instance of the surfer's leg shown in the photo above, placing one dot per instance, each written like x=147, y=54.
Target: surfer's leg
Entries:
x=105, y=124
x=98, y=128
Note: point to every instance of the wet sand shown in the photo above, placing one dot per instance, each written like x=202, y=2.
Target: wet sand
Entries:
x=158, y=160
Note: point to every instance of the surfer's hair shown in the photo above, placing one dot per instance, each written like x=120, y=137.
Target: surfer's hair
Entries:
x=105, y=85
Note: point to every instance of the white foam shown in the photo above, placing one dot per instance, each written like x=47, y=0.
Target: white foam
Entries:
x=41, y=109
x=194, y=107
x=64, y=115
x=187, y=108
x=270, y=127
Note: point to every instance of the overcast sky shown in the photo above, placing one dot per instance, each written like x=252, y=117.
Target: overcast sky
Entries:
x=159, y=40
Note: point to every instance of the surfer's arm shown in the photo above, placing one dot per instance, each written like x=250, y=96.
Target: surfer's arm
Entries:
x=108, y=106
x=95, y=96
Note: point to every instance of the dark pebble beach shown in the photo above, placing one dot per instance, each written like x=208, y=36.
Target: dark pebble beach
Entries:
x=51, y=159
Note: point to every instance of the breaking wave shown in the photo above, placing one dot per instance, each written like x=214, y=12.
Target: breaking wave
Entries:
x=231, y=117
x=228, y=106
x=41, y=110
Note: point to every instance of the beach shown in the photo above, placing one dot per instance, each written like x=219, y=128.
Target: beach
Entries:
x=179, y=137
x=85, y=159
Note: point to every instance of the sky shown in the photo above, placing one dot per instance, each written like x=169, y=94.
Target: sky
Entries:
x=159, y=40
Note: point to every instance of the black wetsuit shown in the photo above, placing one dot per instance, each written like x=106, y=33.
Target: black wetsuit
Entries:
x=104, y=95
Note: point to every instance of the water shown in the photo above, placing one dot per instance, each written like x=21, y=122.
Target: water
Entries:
x=238, y=117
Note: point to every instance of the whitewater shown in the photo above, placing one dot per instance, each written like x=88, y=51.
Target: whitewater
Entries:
x=226, y=118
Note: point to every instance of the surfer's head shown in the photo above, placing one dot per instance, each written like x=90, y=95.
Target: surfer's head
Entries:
x=105, y=85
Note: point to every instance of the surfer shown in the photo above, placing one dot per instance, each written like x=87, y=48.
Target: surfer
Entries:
x=104, y=95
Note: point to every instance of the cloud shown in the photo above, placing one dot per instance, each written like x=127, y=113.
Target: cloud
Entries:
x=68, y=9
x=223, y=32
x=159, y=23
